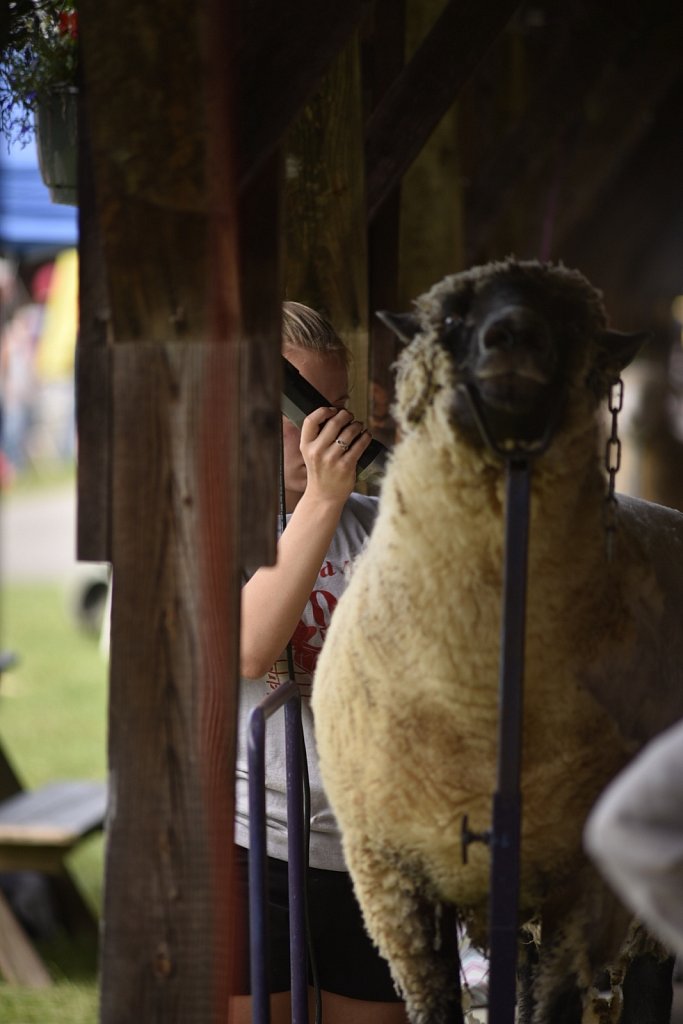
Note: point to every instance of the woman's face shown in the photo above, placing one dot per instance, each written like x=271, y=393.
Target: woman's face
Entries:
x=326, y=372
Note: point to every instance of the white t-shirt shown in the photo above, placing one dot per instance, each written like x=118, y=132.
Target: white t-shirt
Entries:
x=354, y=527
x=635, y=836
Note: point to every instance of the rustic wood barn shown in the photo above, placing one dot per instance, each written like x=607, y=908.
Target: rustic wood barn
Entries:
x=346, y=155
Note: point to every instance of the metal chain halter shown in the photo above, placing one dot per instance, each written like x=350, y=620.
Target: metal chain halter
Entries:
x=615, y=402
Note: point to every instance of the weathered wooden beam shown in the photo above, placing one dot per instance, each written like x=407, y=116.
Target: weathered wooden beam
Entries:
x=540, y=139
x=220, y=555
x=325, y=226
x=383, y=58
x=622, y=116
x=427, y=87
x=173, y=647
x=631, y=248
x=148, y=130
x=93, y=400
x=261, y=378
x=284, y=51
x=166, y=193
x=555, y=107
x=431, y=191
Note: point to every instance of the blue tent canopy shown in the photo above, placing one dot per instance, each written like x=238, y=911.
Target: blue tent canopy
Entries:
x=29, y=220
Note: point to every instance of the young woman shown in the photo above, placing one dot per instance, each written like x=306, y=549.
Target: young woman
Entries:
x=327, y=525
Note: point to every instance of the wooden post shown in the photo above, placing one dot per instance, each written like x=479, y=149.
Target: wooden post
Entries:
x=261, y=300
x=172, y=675
x=382, y=62
x=170, y=247
x=93, y=398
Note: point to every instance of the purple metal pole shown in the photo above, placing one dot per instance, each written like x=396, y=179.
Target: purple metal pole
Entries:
x=505, y=837
x=296, y=862
x=258, y=917
x=258, y=868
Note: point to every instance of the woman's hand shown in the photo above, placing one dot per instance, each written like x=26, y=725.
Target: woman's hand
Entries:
x=332, y=442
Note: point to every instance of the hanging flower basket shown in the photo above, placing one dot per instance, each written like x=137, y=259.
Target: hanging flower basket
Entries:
x=57, y=142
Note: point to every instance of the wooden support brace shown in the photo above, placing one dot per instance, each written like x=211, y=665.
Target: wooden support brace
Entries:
x=425, y=89
x=270, y=96
x=19, y=962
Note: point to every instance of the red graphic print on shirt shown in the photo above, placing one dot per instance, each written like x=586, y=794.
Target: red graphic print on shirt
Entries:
x=310, y=632
x=308, y=639
x=306, y=643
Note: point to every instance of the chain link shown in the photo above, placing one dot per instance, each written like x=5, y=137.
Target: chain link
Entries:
x=615, y=402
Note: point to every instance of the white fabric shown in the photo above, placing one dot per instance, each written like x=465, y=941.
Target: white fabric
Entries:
x=355, y=523
x=635, y=836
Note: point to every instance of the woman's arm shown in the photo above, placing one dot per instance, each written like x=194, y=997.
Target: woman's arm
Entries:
x=274, y=597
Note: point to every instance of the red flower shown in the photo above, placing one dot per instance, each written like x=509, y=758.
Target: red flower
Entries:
x=68, y=24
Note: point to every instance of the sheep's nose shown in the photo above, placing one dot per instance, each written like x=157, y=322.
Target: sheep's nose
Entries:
x=516, y=328
x=500, y=335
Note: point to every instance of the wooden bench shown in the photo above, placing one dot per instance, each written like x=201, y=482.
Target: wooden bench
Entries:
x=38, y=829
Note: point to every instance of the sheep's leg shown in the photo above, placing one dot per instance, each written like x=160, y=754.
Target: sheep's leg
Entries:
x=414, y=932
x=526, y=974
x=556, y=993
x=647, y=990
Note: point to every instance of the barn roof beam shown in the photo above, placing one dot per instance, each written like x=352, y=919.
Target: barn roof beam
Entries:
x=428, y=85
x=634, y=249
x=556, y=112
x=279, y=69
x=629, y=104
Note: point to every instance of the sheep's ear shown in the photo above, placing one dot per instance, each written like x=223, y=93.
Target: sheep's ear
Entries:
x=404, y=325
x=618, y=348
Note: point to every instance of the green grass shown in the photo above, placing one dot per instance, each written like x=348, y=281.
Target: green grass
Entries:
x=53, y=725
x=41, y=477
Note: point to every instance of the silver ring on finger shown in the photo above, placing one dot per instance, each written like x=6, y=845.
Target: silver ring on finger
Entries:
x=343, y=444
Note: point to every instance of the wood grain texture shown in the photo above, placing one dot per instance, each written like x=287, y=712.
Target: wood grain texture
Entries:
x=275, y=38
x=617, y=121
x=148, y=122
x=261, y=377
x=173, y=681
x=382, y=60
x=325, y=224
x=430, y=243
x=541, y=136
x=426, y=88
x=93, y=525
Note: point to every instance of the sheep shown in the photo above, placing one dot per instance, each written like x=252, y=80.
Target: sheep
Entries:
x=405, y=696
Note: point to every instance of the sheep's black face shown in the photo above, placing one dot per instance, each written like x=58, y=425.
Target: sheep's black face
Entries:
x=509, y=358
x=520, y=336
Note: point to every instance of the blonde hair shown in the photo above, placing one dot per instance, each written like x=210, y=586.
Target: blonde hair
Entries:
x=303, y=328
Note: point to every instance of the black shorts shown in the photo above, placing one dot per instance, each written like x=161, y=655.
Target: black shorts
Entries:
x=347, y=962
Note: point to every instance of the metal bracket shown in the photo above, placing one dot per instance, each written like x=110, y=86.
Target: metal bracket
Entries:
x=467, y=837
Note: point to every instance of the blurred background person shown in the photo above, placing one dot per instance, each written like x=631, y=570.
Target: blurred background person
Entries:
x=18, y=384
x=634, y=835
